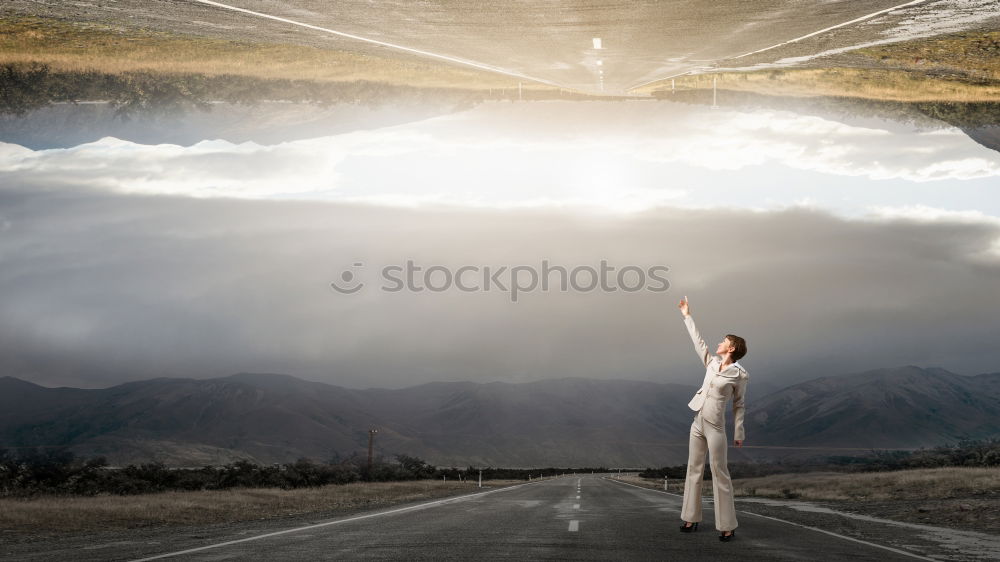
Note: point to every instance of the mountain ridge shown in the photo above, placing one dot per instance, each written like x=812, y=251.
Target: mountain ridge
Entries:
x=272, y=417
x=906, y=407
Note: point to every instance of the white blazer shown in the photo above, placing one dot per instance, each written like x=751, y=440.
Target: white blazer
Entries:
x=718, y=386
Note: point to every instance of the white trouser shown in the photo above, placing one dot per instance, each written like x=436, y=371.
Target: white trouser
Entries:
x=711, y=438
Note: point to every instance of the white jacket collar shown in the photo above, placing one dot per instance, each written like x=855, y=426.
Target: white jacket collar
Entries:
x=733, y=370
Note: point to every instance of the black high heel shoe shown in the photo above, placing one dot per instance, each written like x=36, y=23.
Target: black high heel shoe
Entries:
x=725, y=538
x=685, y=528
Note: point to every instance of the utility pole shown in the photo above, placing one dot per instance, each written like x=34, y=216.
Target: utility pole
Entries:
x=371, y=447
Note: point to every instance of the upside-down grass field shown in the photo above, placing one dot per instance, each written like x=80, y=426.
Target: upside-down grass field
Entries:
x=79, y=47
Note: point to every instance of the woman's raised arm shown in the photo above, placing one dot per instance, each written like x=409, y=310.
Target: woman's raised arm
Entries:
x=699, y=344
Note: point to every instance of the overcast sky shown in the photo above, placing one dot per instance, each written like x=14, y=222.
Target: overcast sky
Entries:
x=831, y=246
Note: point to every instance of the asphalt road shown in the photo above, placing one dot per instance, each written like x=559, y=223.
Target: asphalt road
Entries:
x=570, y=518
x=551, y=41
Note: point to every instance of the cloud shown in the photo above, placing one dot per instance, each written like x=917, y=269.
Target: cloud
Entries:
x=124, y=261
x=101, y=288
x=826, y=146
x=518, y=155
x=926, y=213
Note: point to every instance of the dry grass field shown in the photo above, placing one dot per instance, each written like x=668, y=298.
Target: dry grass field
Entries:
x=81, y=46
x=876, y=84
x=930, y=483
x=71, y=514
x=961, y=497
x=976, y=55
x=923, y=483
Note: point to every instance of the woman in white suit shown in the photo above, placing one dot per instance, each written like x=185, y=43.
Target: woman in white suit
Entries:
x=724, y=379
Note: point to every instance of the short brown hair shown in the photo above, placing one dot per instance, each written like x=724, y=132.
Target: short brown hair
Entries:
x=741, y=347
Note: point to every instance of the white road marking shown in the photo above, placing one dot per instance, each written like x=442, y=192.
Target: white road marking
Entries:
x=574, y=526
x=578, y=497
x=910, y=554
x=576, y=506
x=597, y=43
x=474, y=64
x=328, y=523
x=831, y=533
x=832, y=27
x=862, y=18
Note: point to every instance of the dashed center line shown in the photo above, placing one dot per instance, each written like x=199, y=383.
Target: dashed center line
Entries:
x=574, y=526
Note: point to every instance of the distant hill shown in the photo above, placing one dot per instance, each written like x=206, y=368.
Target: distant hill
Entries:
x=187, y=421
x=988, y=135
x=64, y=125
x=901, y=407
x=272, y=418
x=564, y=422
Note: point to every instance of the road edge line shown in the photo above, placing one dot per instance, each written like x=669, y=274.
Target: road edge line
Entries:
x=334, y=522
x=352, y=36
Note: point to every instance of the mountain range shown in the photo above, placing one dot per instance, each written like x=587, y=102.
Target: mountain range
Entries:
x=563, y=422
x=986, y=135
